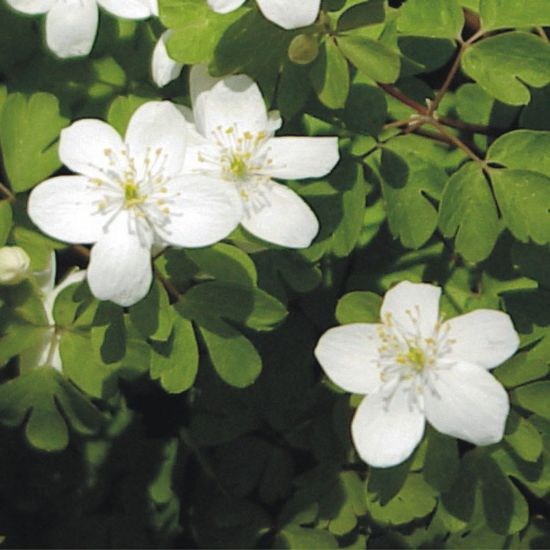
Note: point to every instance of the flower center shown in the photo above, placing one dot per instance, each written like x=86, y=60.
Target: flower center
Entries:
x=408, y=357
x=131, y=195
x=415, y=359
x=238, y=166
x=237, y=156
x=136, y=184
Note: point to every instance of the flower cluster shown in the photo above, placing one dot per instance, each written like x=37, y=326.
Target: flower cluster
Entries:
x=187, y=177
x=177, y=182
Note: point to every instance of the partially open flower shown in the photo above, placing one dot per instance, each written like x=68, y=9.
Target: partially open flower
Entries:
x=15, y=265
x=413, y=367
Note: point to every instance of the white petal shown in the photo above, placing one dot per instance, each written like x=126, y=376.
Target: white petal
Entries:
x=385, y=433
x=225, y=6
x=276, y=214
x=349, y=354
x=274, y=121
x=302, y=157
x=32, y=7
x=128, y=9
x=157, y=127
x=65, y=208
x=484, y=337
x=469, y=403
x=290, y=15
x=45, y=279
x=72, y=278
x=414, y=306
x=120, y=264
x=205, y=211
x=71, y=28
x=153, y=6
x=163, y=67
x=83, y=146
x=227, y=102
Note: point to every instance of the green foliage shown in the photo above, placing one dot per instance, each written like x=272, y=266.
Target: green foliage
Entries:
x=199, y=416
x=28, y=131
x=504, y=64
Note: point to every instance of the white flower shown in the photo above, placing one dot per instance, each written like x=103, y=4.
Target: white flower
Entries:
x=15, y=265
x=46, y=352
x=130, y=195
x=231, y=138
x=163, y=68
x=414, y=368
x=289, y=14
x=71, y=25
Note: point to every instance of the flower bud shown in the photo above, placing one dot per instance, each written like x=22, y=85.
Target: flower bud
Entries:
x=303, y=49
x=15, y=265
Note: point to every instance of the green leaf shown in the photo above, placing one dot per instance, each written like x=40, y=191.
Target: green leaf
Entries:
x=46, y=402
x=372, y=58
x=441, y=462
x=524, y=201
x=330, y=76
x=28, y=134
x=250, y=306
x=234, y=357
x=358, y=307
x=6, y=220
x=522, y=150
x=407, y=178
x=152, y=315
x=524, y=438
x=224, y=262
x=534, y=397
x=295, y=536
x=197, y=29
x=83, y=366
x=504, y=14
x=121, y=111
x=176, y=362
x=505, y=64
x=431, y=18
x=505, y=507
x=365, y=110
x=361, y=14
x=415, y=499
x=468, y=213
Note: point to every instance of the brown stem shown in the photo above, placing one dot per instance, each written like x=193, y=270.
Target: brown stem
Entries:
x=449, y=80
x=10, y=197
x=542, y=34
x=167, y=284
x=81, y=250
x=422, y=110
x=394, y=92
x=454, y=140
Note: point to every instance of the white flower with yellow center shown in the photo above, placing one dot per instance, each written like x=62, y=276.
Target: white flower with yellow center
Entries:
x=414, y=367
x=130, y=196
x=289, y=14
x=232, y=139
x=71, y=25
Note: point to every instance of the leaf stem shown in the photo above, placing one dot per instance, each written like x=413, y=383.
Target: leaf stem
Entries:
x=7, y=193
x=173, y=292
